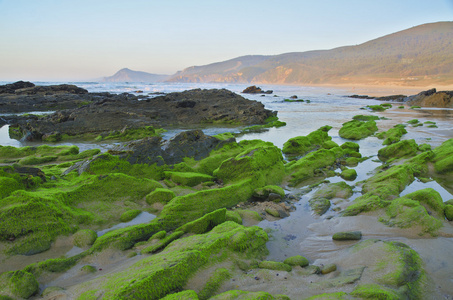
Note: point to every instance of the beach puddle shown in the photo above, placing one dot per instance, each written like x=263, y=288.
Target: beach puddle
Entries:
x=143, y=217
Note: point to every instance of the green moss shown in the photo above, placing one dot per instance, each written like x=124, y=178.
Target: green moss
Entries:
x=448, y=211
x=430, y=198
x=128, y=134
x=377, y=107
x=130, y=215
x=184, y=295
x=224, y=136
x=19, y=284
x=415, y=106
x=163, y=243
x=258, y=128
x=406, y=212
x=233, y=216
x=84, y=238
x=306, y=167
x=214, y=283
x=274, y=265
x=393, y=135
x=319, y=205
x=347, y=236
x=155, y=276
x=159, y=235
x=374, y=291
x=357, y=130
x=263, y=192
x=236, y=294
x=263, y=163
x=443, y=157
x=249, y=215
x=414, y=121
x=349, y=174
x=8, y=185
x=303, y=144
x=34, y=160
x=205, y=223
x=400, y=149
x=330, y=296
x=297, y=260
x=365, y=117
x=401, y=106
x=160, y=195
x=365, y=203
x=88, y=269
x=188, y=178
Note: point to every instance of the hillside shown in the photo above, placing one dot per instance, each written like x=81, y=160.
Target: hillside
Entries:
x=417, y=56
x=127, y=75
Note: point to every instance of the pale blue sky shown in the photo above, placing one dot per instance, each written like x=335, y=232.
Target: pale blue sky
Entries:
x=85, y=39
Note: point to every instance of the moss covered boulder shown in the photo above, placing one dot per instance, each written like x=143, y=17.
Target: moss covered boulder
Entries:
x=349, y=174
x=357, y=130
x=188, y=178
x=393, y=135
x=275, y=265
x=303, y=144
x=18, y=284
x=297, y=260
x=84, y=238
x=158, y=275
x=160, y=195
x=443, y=157
x=400, y=149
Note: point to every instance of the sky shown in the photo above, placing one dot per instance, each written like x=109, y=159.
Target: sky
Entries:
x=72, y=40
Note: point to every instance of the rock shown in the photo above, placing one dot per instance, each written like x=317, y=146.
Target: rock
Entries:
x=88, y=269
x=84, y=238
x=328, y=269
x=255, y=90
x=431, y=98
x=347, y=235
x=397, y=150
x=19, y=283
x=297, y=260
x=106, y=114
x=11, y=88
x=272, y=212
x=273, y=265
x=349, y=174
x=449, y=212
x=160, y=195
x=357, y=130
x=192, y=143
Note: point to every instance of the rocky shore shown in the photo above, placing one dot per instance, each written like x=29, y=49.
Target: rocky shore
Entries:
x=81, y=113
x=429, y=98
x=207, y=194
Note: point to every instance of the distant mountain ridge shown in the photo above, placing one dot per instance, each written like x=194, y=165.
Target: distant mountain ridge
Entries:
x=416, y=56
x=127, y=75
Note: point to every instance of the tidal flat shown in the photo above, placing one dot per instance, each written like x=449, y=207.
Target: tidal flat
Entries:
x=252, y=219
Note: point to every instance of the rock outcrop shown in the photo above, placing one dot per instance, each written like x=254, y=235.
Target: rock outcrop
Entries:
x=256, y=90
x=431, y=98
x=103, y=114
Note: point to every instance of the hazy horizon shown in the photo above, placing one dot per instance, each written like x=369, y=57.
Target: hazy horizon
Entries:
x=86, y=40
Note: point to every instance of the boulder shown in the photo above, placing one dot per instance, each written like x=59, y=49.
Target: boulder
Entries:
x=256, y=90
x=431, y=98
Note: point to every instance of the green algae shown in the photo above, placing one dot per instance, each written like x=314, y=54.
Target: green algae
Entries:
x=160, y=195
x=84, y=238
x=357, y=130
x=188, y=178
x=158, y=275
x=374, y=291
x=243, y=295
x=275, y=265
x=330, y=296
x=163, y=242
x=129, y=215
x=264, y=192
x=233, y=216
x=18, y=284
x=297, y=260
x=214, y=283
x=349, y=174
x=448, y=211
x=301, y=145
x=128, y=134
x=365, y=117
x=379, y=107
x=400, y=149
x=205, y=223
x=443, y=157
x=184, y=295
x=393, y=135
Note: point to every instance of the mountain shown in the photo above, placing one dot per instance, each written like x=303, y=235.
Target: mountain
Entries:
x=420, y=55
x=128, y=75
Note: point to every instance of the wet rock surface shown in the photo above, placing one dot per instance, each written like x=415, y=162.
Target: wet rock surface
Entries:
x=90, y=113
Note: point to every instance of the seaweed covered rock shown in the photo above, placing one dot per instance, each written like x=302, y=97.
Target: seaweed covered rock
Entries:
x=303, y=144
x=160, y=195
x=357, y=130
x=84, y=237
x=320, y=201
x=297, y=260
x=18, y=284
x=443, y=157
x=393, y=135
x=160, y=274
x=397, y=150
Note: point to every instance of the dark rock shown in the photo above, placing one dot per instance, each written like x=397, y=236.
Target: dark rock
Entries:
x=113, y=113
x=293, y=97
x=12, y=87
x=193, y=143
x=30, y=171
x=431, y=98
x=347, y=236
x=256, y=90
